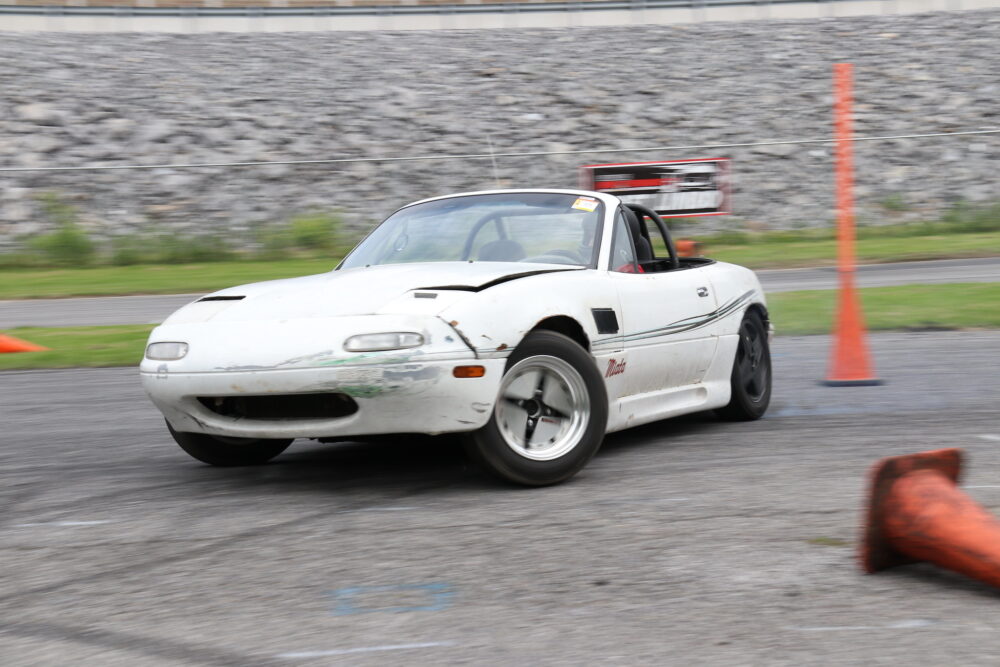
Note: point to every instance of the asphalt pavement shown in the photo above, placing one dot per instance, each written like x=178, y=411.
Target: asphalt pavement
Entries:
x=91, y=311
x=689, y=542
x=978, y=270
x=153, y=309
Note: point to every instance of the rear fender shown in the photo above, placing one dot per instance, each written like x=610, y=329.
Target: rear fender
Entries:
x=736, y=285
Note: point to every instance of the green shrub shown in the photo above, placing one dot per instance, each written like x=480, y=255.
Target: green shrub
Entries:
x=311, y=235
x=315, y=231
x=132, y=249
x=69, y=245
x=979, y=218
x=895, y=202
x=960, y=218
x=192, y=249
x=274, y=243
x=19, y=259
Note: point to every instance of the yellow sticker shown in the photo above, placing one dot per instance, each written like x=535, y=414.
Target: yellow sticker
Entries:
x=585, y=204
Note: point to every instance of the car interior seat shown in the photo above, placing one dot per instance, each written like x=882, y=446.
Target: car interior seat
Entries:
x=503, y=250
x=643, y=248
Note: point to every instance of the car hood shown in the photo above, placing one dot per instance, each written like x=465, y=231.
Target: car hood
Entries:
x=360, y=291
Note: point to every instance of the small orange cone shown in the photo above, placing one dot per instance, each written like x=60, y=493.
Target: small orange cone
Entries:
x=916, y=513
x=11, y=344
x=687, y=248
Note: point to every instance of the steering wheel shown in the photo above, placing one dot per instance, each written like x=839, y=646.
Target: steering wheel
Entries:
x=568, y=254
x=548, y=259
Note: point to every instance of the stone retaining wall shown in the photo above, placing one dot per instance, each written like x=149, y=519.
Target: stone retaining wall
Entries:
x=77, y=99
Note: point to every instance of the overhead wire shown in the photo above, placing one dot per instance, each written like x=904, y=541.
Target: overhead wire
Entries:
x=488, y=156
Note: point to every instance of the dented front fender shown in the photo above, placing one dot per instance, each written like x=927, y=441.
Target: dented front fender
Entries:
x=495, y=321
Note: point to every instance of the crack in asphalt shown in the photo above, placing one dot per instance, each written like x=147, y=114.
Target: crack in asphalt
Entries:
x=150, y=647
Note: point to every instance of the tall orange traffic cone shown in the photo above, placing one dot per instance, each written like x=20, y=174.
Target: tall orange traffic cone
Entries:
x=11, y=344
x=916, y=513
x=849, y=364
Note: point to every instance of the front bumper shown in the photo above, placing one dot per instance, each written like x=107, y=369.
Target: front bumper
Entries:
x=414, y=396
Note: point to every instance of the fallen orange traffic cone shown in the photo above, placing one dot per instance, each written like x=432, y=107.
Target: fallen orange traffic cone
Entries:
x=916, y=513
x=11, y=344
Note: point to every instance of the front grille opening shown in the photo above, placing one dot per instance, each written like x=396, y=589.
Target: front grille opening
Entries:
x=282, y=406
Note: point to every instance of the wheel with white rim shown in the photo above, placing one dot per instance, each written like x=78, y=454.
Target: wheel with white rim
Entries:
x=550, y=414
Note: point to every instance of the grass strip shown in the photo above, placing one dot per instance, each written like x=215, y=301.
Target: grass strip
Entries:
x=823, y=252
x=909, y=307
x=150, y=279
x=74, y=347
x=906, y=308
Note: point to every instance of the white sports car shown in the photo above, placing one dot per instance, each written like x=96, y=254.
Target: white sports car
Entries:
x=535, y=321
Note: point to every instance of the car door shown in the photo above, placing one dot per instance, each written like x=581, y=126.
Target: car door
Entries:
x=666, y=327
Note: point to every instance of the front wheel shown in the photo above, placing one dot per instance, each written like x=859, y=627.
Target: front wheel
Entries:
x=228, y=452
x=750, y=380
x=550, y=414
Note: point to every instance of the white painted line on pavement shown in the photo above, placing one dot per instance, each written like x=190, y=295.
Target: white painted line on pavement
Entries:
x=61, y=523
x=639, y=501
x=900, y=625
x=364, y=649
x=989, y=436
x=646, y=501
x=385, y=509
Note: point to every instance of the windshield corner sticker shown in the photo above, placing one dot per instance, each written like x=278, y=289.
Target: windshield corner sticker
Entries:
x=585, y=204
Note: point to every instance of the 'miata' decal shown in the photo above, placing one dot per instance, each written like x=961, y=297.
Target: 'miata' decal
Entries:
x=686, y=324
x=615, y=367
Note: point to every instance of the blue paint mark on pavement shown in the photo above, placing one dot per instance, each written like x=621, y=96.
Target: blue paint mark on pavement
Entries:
x=351, y=600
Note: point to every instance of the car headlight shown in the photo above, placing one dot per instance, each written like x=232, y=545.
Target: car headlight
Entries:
x=395, y=340
x=166, y=351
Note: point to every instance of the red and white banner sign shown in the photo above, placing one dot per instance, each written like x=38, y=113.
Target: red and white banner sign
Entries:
x=678, y=188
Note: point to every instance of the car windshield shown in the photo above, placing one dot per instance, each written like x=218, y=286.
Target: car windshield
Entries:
x=534, y=227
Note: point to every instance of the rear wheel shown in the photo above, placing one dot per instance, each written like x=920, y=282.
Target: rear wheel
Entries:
x=218, y=451
x=750, y=380
x=550, y=414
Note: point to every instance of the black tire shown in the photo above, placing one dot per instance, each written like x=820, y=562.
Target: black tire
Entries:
x=228, y=452
x=554, y=386
x=750, y=380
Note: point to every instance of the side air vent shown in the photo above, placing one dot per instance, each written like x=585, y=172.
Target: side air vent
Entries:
x=220, y=298
x=606, y=320
x=277, y=407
